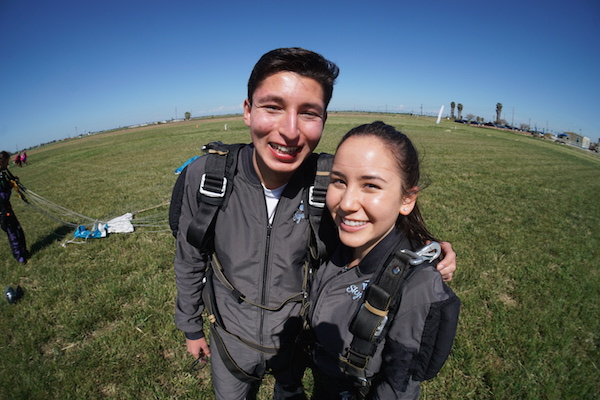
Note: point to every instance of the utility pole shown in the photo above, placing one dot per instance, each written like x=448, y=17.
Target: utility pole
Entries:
x=512, y=122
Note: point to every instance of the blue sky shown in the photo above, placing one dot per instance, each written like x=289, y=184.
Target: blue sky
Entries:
x=71, y=67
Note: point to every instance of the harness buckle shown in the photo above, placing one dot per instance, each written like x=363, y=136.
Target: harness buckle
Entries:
x=210, y=193
x=311, y=198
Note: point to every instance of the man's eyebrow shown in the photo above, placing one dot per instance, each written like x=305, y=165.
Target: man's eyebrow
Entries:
x=281, y=100
x=270, y=97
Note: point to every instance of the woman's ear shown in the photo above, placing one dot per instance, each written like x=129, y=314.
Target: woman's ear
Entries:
x=409, y=201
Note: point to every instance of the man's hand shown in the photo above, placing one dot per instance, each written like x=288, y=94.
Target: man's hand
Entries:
x=447, y=264
x=198, y=348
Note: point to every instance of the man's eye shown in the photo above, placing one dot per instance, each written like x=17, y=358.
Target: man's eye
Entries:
x=312, y=114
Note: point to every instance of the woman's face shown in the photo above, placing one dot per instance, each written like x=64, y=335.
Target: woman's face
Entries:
x=365, y=193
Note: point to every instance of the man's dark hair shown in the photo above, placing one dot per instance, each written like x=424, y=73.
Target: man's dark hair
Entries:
x=300, y=61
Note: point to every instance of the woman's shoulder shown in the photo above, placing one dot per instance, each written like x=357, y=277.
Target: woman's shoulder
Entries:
x=423, y=285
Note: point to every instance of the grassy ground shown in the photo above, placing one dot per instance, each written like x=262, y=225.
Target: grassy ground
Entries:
x=96, y=319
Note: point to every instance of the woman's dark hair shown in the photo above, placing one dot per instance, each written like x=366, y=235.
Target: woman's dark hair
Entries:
x=407, y=158
x=300, y=61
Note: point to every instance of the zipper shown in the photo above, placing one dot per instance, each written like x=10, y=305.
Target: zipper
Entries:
x=264, y=283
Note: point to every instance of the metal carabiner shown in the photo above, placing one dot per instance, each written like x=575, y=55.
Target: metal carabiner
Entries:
x=430, y=251
x=427, y=253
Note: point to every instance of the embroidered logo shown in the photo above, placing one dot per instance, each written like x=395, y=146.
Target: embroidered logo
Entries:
x=299, y=214
x=357, y=292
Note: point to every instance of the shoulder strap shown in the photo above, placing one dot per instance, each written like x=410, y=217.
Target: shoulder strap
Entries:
x=176, y=201
x=17, y=186
x=215, y=186
x=324, y=234
x=381, y=301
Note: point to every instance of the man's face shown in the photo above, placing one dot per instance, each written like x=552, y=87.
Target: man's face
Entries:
x=286, y=120
x=3, y=163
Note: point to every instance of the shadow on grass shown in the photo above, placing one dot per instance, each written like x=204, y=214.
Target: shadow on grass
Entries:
x=55, y=236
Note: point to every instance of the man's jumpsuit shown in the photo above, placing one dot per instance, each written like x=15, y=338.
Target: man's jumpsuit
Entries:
x=265, y=263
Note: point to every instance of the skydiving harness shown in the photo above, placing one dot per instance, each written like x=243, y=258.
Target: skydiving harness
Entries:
x=381, y=302
x=215, y=187
x=14, y=181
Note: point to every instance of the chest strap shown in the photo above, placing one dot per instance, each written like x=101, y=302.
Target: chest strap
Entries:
x=382, y=299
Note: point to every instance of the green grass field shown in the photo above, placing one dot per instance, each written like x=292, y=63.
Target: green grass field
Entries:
x=96, y=321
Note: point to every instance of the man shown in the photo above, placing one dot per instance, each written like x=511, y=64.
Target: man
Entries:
x=260, y=240
x=8, y=220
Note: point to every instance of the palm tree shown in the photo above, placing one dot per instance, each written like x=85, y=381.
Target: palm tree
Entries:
x=452, y=105
x=459, y=107
x=498, y=111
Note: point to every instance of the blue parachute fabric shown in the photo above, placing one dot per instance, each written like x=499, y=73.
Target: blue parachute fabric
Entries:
x=185, y=164
x=95, y=233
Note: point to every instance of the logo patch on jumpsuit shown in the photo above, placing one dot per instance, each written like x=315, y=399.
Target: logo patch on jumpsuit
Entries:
x=357, y=292
x=299, y=214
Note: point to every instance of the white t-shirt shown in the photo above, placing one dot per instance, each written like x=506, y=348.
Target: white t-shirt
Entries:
x=272, y=197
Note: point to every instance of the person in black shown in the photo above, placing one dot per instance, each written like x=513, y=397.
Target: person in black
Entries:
x=8, y=220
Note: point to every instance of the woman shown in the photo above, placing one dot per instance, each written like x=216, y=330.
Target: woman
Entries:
x=372, y=197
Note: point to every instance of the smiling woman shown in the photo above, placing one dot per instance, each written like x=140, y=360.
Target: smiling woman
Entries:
x=379, y=347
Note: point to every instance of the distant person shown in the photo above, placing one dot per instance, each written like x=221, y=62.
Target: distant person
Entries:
x=8, y=220
x=372, y=197
x=260, y=238
x=17, y=159
x=24, y=157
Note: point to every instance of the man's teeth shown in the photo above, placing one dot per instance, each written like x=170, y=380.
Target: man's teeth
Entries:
x=285, y=149
x=353, y=223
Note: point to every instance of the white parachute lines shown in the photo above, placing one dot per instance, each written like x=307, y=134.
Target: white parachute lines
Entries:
x=125, y=223
x=56, y=212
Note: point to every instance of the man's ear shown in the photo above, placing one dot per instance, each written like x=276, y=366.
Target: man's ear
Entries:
x=409, y=201
x=247, y=109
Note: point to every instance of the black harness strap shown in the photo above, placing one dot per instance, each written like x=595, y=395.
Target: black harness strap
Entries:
x=370, y=324
x=215, y=187
x=318, y=242
x=382, y=299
